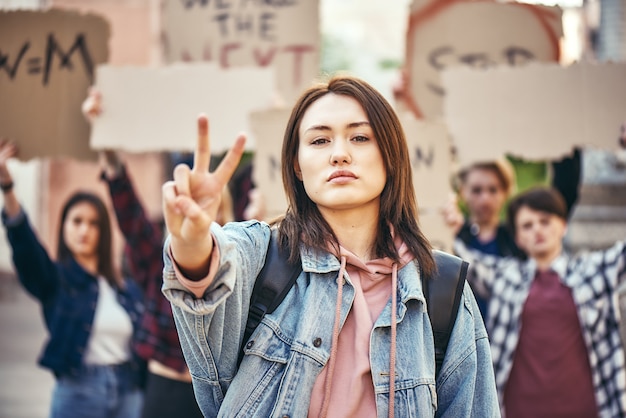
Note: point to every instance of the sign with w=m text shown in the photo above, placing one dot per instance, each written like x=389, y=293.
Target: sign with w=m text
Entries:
x=47, y=62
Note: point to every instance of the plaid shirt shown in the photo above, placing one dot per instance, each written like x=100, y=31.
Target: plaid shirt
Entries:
x=157, y=338
x=593, y=279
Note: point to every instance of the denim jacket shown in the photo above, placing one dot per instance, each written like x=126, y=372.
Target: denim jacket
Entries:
x=291, y=346
x=68, y=296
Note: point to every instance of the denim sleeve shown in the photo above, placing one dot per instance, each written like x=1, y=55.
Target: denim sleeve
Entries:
x=466, y=385
x=211, y=327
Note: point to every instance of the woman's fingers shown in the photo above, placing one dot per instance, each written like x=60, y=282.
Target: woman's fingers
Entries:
x=188, y=200
x=92, y=106
x=8, y=149
x=229, y=163
x=182, y=179
x=171, y=213
x=202, y=156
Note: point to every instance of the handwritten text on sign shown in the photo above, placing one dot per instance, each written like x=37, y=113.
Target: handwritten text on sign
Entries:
x=444, y=34
x=279, y=33
x=44, y=65
x=47, y=62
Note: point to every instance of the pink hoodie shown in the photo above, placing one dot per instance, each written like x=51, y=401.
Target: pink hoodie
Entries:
x=344, y=387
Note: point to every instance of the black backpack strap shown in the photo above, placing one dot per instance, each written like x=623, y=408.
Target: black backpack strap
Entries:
x=271, y=286
x=443, y=294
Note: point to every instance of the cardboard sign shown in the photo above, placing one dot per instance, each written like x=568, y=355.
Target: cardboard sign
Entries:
x=268, y=127
x=537, y=112
x=47, y=62
x=478, y=34
x=280, y=34
x=155, y=109
x=429, y=149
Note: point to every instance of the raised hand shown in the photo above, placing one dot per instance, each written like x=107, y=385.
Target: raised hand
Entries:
x=452, y=214
x=191, y=202
x=92, y=106
x=7, y=150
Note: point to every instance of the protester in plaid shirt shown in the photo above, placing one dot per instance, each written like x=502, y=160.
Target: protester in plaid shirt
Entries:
x=168, y=391
x=553, y=319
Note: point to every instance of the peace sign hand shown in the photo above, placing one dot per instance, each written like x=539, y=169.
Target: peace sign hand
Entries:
x=191, y=202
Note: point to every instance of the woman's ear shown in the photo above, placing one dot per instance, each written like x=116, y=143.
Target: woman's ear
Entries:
x=296, y=169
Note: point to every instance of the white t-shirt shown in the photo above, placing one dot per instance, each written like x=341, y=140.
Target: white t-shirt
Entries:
x=111, y=330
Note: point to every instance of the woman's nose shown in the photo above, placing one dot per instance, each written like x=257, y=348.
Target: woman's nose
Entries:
x=340, y=153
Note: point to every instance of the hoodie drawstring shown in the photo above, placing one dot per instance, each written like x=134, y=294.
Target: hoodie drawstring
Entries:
x=392, y=354
x=333, y=347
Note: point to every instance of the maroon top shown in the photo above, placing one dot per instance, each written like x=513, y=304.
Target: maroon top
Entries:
x=551, y=376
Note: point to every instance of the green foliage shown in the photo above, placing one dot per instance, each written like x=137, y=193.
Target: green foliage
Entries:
x=529, y=173
x=389, y=64
x=335, y=55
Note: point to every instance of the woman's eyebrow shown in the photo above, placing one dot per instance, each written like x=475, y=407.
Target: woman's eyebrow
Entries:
x=358, y=124
x=351, y=125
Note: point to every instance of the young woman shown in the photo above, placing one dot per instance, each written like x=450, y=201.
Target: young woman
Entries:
x=554, y=319
x=90, y=312
x=356, y=315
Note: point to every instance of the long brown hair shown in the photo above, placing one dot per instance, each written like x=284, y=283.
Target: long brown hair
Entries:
x=398, y=205
x=104, y=250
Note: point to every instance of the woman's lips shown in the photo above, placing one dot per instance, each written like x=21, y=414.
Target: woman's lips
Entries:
x=341, y=176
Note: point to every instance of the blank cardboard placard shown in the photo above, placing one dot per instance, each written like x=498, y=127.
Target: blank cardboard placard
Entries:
x=538, y=112
x=284, y=35
x=155, y=109
x=448, y=33
x=268, y=127
x=47, y=62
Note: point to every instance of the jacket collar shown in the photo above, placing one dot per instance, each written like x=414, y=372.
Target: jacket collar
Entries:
x=321, y=262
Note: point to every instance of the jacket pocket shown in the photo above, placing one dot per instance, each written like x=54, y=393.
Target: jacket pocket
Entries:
x=419, y=400
x=256, y=387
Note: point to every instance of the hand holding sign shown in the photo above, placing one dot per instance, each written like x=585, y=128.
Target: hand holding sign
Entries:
x=192, y=200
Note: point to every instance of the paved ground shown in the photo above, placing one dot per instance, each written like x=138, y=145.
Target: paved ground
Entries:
x=25, y=388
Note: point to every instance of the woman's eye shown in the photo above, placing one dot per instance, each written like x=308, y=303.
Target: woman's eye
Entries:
x=319, y=141
x=360, y=138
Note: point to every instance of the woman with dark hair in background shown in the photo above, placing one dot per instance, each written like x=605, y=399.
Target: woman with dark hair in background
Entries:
x=91, y=313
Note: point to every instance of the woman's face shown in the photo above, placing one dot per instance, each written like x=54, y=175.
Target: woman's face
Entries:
x=81, y=230
x=339, y=160
x=539, y=234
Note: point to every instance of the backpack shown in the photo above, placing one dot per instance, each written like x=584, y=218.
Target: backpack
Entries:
x=442, y=291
